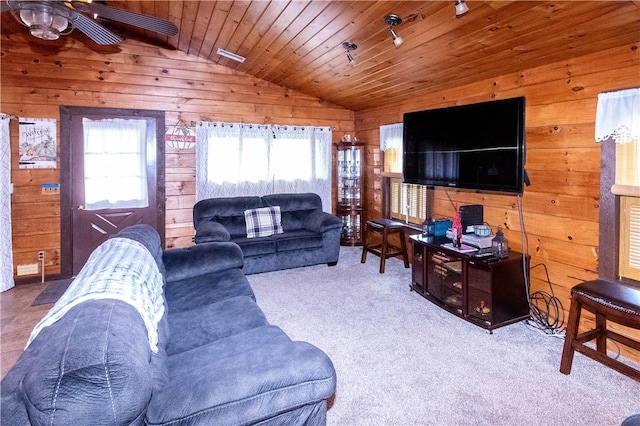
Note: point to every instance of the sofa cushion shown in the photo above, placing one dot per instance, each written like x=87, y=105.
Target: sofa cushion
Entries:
x=297, y=240
x=205, y=210
x=201, y=326
x=254, y=376
x=263, y=222
x=293, y=201
x=256, y=246
x=194, y=292
x=235, y=225
x=295, y=208
x=295, y=219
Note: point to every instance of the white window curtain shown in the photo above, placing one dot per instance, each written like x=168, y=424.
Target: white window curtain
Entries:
x=6, y=249
x=235, y=159
x=618, y=116
x=391, y=145
x=115, y=171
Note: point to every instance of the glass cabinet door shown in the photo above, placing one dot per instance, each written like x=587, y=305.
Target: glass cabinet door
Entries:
x=349, y=164
x=349, y=176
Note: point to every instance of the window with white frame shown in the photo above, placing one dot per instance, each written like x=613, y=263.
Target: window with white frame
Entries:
x=235, y=159
x=407, y=202
x=618, y=118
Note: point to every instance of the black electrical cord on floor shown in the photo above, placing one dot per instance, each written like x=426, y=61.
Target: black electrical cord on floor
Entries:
x=546, y=309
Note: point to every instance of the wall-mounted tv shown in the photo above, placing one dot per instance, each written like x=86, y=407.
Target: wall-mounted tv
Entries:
x=478, y=147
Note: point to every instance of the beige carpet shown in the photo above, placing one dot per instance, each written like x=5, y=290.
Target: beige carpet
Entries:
x=400, y=360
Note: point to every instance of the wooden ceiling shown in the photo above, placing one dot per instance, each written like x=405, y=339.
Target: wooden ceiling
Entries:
x=298, y=44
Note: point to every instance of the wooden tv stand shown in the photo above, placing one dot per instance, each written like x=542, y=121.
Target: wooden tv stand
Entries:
x=488, y=294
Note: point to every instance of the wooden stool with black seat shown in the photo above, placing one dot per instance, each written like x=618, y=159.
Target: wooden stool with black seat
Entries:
x=380, y=246
x=609, y=301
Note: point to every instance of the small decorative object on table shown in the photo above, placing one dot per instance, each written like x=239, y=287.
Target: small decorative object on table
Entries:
x=500, y=245
x=428, y=230
x=457, y=229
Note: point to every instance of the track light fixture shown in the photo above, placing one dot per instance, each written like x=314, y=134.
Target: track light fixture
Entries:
x=349, y=47
x=392, y=21
x=461, y=8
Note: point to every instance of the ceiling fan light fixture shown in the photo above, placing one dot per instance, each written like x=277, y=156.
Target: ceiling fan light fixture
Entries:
x=461, y=7
x=44, y=21
x=392, y=21
x=350, y=47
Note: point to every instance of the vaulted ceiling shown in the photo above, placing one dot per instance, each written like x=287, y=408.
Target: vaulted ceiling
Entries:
x=298, y=44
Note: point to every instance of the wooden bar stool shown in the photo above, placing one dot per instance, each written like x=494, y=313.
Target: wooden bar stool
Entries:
x=609, y=301
x=382, y=228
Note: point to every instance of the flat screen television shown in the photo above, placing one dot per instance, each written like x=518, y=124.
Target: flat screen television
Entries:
x=477, y=147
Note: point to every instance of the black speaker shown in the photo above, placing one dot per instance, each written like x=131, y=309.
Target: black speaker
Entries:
x=470, y=215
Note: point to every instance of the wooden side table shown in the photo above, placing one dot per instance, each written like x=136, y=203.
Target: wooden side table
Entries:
x=380, y=246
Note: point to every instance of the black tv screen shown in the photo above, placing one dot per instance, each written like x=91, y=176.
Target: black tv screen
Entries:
x=477, y=147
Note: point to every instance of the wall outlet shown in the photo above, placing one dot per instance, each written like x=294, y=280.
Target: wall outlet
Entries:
x=27, y=269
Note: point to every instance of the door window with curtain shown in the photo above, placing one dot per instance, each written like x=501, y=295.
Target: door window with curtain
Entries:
x=407, y=202
x=236, y=159
x=115, y=172
x=618, y=119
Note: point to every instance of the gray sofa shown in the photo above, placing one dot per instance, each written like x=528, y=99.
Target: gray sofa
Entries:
x=213, y=358
x=309, y=235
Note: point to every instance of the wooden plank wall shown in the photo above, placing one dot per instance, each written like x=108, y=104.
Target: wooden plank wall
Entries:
x=561, y=207
x=37, y=78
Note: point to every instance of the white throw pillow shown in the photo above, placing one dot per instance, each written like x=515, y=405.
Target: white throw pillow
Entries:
x=263, y=222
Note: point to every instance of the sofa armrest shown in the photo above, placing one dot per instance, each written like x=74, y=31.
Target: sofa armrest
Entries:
x=201, y=259
x=211, y=231
x=246, y=388
x=320, y=221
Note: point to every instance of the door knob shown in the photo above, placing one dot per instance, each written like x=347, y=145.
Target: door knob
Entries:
x=80, y=208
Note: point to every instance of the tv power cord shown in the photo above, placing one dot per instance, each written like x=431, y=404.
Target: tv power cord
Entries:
x=547, y=314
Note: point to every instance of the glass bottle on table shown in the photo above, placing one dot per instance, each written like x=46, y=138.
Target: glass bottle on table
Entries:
x=457, y=229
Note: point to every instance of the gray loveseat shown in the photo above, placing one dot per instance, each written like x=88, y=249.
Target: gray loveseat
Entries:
x=213, y=359
x=308, y=236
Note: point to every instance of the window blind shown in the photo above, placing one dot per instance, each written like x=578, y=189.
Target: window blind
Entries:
x=629, y=259
x=408, y=201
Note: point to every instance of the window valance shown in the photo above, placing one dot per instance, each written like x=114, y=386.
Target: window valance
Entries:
x=618, y=116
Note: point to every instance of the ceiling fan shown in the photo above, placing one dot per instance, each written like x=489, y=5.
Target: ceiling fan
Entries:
x=48, y=19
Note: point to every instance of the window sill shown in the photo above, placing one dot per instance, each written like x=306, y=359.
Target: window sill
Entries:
x=391, y=175
x=626, y=190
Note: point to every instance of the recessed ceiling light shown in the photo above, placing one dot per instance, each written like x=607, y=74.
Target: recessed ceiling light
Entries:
x=230, y=55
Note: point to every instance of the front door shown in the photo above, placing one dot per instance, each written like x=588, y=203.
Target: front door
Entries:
x=115, y=177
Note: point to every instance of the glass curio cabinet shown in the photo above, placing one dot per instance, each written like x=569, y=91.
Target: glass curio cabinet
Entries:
x=349, y=178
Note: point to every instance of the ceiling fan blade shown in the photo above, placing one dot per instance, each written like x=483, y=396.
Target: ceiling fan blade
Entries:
x=93, y=30
x=145, y=22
